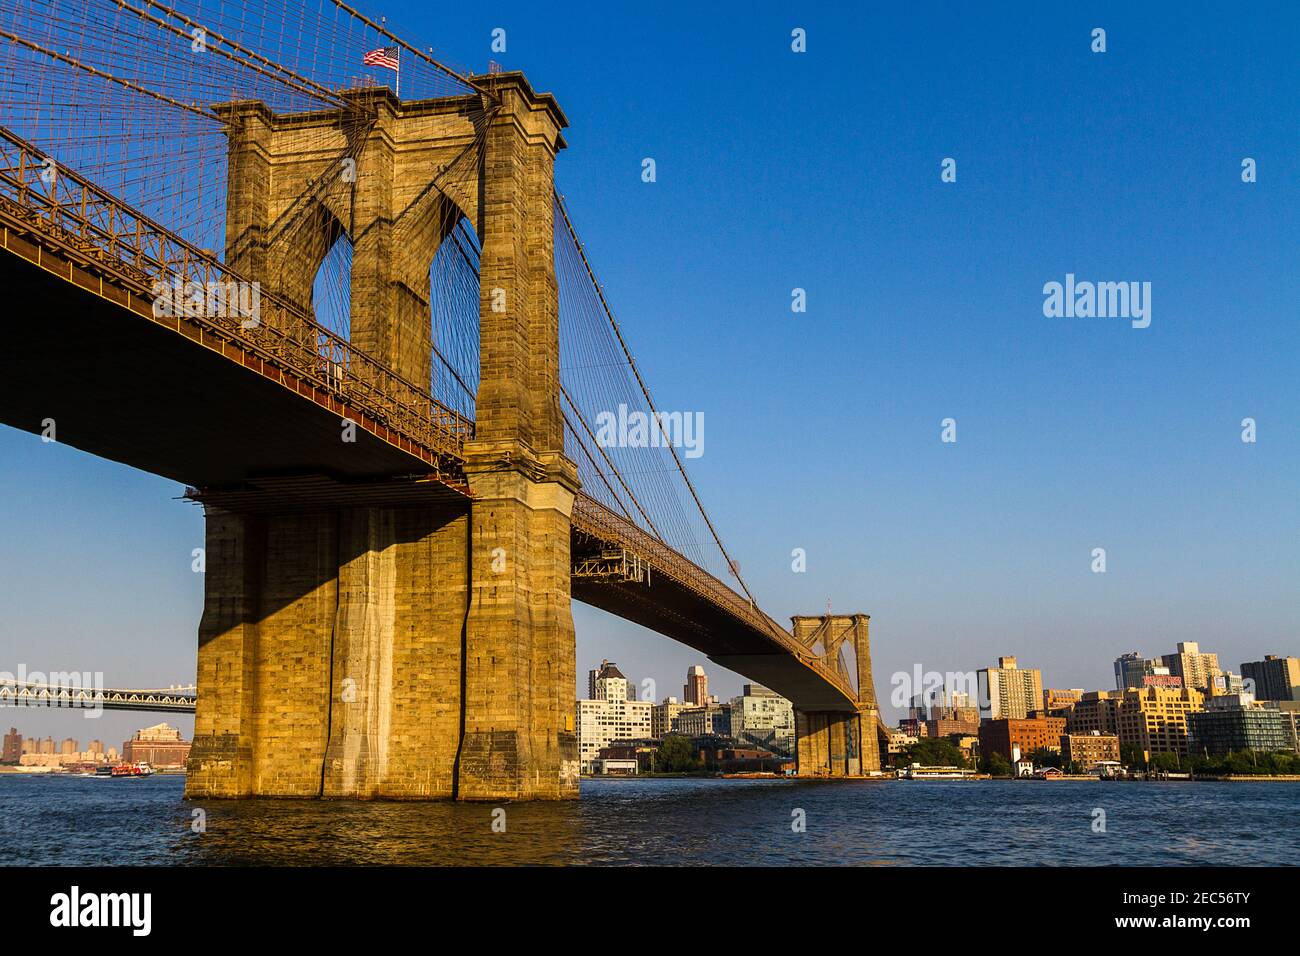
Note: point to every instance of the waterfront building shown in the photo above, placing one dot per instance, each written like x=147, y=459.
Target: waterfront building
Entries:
x=1090, y=750
x=159, y=746
x=31, y=745
x=763, y=718
x=13, y=747
x=609, y=716
x=663, y=718
x=615, y=766
x=1236, y=722
x=1290, y=711
x=711, y=720
x=1155, y=719
x=69, y=746
x=47, y=746
x=1012, y=691
x=696, y=689
x=1010, y=736
x=1276, y=678
x=1197, y=670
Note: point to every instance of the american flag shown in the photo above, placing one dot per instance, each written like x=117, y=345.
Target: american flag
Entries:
x=384, y=56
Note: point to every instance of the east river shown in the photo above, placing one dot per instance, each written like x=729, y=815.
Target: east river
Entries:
x=63, y=820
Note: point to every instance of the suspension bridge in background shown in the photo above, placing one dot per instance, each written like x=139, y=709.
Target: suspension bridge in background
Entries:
x=362, y=330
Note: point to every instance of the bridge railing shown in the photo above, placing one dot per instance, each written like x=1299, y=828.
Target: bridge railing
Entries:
x=597, y=520
x=187, y=284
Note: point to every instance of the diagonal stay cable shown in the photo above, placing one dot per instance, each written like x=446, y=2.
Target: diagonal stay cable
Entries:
x=732, y=566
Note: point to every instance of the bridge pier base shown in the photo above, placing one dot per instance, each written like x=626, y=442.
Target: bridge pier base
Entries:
x=836, y=744
x=330, y=654
x=519, y=740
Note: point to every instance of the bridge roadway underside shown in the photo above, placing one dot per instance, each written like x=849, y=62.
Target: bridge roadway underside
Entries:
x=670, y=608
x=128, y=389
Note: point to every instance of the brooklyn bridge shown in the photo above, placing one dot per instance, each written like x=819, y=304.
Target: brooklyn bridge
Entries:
x=361, y=329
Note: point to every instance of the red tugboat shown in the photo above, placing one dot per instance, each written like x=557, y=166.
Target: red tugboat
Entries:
x=140, y=769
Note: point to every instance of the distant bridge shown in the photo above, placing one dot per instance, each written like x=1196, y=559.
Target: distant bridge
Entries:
x=170, y=700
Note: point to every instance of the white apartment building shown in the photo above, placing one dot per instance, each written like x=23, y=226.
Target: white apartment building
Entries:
x=610, y=716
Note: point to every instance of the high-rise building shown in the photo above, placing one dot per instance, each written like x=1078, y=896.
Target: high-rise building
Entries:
x=13, y=747
x=1155, y=719
x=1012, y=691
x=47, y=746
x=763, y=718
x=1198, y=670
x=696, y=689
x=610, y=716
x=1235, y=722
x=69, y=746
x=1276, y=678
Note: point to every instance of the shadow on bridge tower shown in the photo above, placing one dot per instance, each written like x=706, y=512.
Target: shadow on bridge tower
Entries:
x=840, y=743
x=424, y=650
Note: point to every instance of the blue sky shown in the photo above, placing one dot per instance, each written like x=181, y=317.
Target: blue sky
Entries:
x=821, y=171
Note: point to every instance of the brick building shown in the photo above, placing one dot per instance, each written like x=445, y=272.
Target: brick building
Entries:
x=1088, y=750
x=13, y=747
x=1029, y=734
x=159, y=746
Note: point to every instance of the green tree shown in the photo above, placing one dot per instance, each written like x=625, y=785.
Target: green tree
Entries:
x=676, y=755
x=1046, y=757
x=1166, y=762
x=996, y=765
x=931, y=752
x=1130, y=755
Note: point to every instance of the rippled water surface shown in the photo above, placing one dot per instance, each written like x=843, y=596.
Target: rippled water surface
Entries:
x=77, y=820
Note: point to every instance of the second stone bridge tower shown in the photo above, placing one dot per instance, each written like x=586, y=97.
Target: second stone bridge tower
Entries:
x=423, y=651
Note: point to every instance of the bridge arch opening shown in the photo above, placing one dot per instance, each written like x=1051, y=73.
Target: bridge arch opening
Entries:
x=331, y=289
x=454, y=303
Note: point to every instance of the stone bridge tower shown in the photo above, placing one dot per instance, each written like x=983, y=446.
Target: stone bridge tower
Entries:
x=417, y=651
x=835, y=743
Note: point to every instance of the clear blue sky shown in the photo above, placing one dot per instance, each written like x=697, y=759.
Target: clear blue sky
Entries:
x=821, y=170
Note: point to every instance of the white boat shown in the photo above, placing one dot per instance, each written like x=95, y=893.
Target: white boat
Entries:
x=917, y=772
